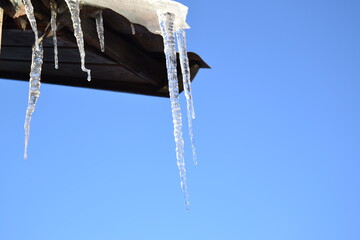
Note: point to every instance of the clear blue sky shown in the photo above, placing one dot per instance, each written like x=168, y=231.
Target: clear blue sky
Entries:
x=277, y=133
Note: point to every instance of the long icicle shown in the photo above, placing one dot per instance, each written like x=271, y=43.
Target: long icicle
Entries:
x=74, y=9
x=34, y=90
x=53, y=30
x=35, y=73
x=166, y=21
x=185, y=69
x=100, y=30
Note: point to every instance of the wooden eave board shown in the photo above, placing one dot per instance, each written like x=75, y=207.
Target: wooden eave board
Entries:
x=131, y=63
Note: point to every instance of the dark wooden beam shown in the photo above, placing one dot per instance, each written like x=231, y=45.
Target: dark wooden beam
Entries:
x=133, y=63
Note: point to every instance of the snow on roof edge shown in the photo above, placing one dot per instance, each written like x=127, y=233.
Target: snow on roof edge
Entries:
x=144, y=12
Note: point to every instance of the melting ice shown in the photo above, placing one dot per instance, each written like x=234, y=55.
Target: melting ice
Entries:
x=74, y=9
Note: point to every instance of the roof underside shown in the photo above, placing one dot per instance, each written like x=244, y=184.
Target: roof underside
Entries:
x=133, y=63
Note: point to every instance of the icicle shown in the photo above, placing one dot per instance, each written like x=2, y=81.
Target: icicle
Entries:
x=185, y=69
x=1, y=25
x=54, y=29
x=184, y=62
x=132, y=29
x=29, y=9
x=34, y=89
x=100, y=30
x=35, y=73
x=166, y=21
x=74, y=9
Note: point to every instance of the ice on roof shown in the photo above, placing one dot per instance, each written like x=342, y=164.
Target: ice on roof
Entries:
x=144, y=12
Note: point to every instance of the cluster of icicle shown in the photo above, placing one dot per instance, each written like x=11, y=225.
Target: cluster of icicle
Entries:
x=37, y=52
x=169, y=34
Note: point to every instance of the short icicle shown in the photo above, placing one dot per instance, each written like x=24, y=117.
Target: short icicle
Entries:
x=100, y=30
x=35, y=73
x=185, y=69
x=1, y=25
x=53, y=30
x=132, y=29
x=166, y=21
x=74, y=9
